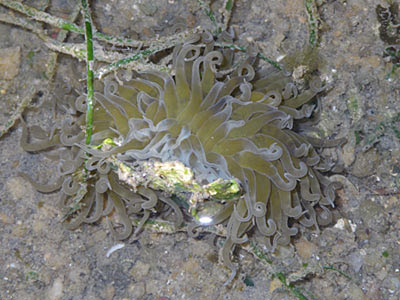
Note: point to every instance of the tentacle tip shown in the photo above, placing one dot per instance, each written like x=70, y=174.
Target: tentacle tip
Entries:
x=231, y=277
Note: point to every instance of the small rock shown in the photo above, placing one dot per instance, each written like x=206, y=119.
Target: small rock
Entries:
x=352, y=292
x=274, y=284
x=10, y=59
x=381, y=274
x=4, y=219
x=373, y=260
x=96, y=237
x=109, y=292
x=305, y=249
x=140, y=270
x=199, y=248
x=365, y=164
x=18, y=189
x=152, y=286
x=356, y=261
x=55, y=259
x=395, y=283
x=191, y=266
x=19, y=230
x=370, y=211
x=349, y=195
x=373, y=61
x=38, y=226
x=349, y=154
x=56, y=290
x=137, y=290
x=148, y=8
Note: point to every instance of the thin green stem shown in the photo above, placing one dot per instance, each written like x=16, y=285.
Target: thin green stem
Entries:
x=337, y=270
x=41, y=16
x=227, y=13
x=63, y=24
x=243, y=49
x=22, y=22
x=123, y=62
x=270, y=61
x=114, y=40
x=313, y=22
x=290, y=287
x=90, y=74
x=205, y=5
x=259, y=253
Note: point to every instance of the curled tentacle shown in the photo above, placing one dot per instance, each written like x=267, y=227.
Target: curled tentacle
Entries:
x=123, y=216
x=43, y=188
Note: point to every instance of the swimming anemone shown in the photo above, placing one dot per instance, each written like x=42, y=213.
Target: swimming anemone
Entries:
x=220, y=120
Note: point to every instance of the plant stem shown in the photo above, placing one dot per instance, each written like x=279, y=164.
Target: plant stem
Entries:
x=227, y=12
x=259, y=54
x=123, y=62
x=270, y=61
x=64, y=24
x=313, y=22
x=90, y=75
x=41, y=16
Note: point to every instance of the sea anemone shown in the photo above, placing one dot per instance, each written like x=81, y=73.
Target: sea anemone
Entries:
x=220, y=120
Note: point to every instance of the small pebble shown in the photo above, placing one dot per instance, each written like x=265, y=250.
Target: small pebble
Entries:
x=56, y=290
x=10, y=59
x=137, y=290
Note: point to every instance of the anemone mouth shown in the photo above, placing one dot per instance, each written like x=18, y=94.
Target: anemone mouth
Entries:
x=221, y=122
